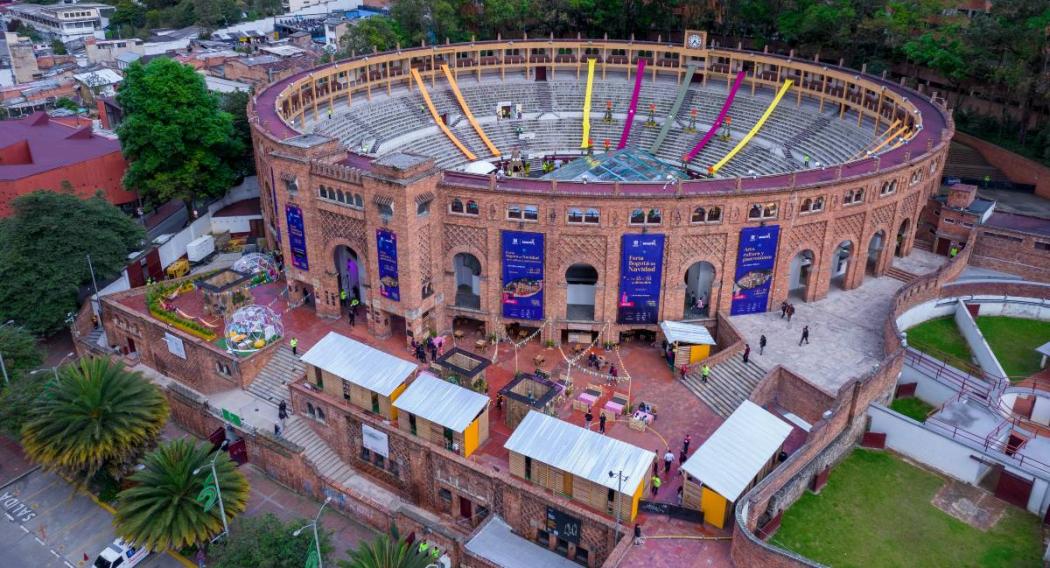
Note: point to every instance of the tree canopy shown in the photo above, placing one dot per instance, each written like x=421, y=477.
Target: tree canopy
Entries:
x=179, y=142
x=378, y=32
x=21, y=353
x=267, y=542
x=43, y=259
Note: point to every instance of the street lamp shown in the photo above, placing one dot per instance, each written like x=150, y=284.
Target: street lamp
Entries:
x=54, y=369
x=3, y=367
x=218, y=491
x=313, y=524
x=620, y=479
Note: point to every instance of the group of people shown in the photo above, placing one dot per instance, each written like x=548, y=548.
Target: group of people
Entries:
x=698, y=302
x=598, y=363
x=668, y=459
x=787, y=310
x=427, y=346
x=350, y=302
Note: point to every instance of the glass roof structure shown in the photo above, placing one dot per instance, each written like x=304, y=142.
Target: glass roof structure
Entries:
x=629, y=164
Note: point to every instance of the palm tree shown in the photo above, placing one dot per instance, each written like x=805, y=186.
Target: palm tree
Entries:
x=94, y=414
x=161, y=510
x=386, y=551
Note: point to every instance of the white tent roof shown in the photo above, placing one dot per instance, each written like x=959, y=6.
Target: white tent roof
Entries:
x=579, y=451
x=481, y=167
x=359, y=364
x=441, y=402
x=730, y=459
x=1044, y=349
x=496, y=543
x=678, y=332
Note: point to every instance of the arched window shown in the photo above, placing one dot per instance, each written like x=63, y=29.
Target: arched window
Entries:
x=653, y=217
x=592, y=216
x=893, y=186
x=699, y=215
x=456, y=206
x=755, y=212
x=386, y=210
x=310, y=410
x=341, y=196
x=574, y=215
x=423, y=209
x=637, y=217
x=320, y=414
x=818, y=204
x=359, y=201
x=807, y=205
x=714, y=214
x=472, y=207
x=770, y=210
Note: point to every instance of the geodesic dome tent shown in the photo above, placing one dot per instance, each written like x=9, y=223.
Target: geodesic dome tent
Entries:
x=261, y=266
x=253, y=327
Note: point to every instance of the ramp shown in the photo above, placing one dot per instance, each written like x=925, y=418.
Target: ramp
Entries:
x=669, y=121
x=754, y=129
x=437, y=117
x=718, y=121
x=466, y=111
x=585, y=142
x=638, y=76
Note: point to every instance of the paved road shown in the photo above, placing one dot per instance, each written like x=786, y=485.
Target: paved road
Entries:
x=48, y=524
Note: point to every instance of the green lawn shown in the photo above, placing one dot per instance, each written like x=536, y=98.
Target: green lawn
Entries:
x=942, y=339
x=1013, y=340
x=875, y=511
x=912, y=408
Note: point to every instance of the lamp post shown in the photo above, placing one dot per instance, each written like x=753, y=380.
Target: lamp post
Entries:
x=218, y=492
x=620, y=479
x=313, y=524
x=3, y=367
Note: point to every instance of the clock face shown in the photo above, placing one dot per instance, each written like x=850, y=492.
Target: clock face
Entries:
x=694, y=41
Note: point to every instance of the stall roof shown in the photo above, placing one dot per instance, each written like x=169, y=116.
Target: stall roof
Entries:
x=579, y=451
x=441, y=402
x=678, y=332
x=496, y=543
x=1044, y=349
x=359, y=364
x=730, y=459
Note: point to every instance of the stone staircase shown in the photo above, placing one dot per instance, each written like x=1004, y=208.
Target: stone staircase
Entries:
x=902, y=275
x=324, y=458
x=730, y=384
x=271, y=384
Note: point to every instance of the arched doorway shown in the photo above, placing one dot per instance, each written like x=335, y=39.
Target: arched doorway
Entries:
x=840, y=264
x=699, y=279
x=799, y=276
x=902, y=236
x=352, y=273
x=875, y=246
x=468, y=280
x=581, y=281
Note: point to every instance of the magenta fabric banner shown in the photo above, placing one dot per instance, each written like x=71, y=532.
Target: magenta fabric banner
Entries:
x=721, y=117
x=638, y=76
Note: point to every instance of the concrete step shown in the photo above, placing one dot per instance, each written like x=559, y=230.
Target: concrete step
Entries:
x=731, y=383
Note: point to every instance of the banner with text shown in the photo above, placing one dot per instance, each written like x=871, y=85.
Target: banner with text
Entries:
x=296, y=236
x=641, y=269
x=522, y=275
x=387, y=247
x=755, y=262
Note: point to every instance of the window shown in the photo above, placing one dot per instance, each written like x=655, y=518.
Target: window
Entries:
x=916, y=177
x=472, y=207
x=888, y=187
x=386, y=210
x=346, y=390
x=699, y=215
x=513, y=212
x=709, y=215
x=456, y=206
x=222, y=368
x=310, y=410
x=423, y=209
x=948, y=221
x=359, y=201
x=812, y=205
x=583, y=216
x=645, y=217
x=852, y=196
x=318, y=378
x=1039, y=245
x=762, y=211
x=320, y=414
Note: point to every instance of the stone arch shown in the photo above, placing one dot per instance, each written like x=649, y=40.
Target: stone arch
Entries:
x=842, y=256
x=700, y=278
x=802, y=265
x=874, y=250
x=351, y=268
x=581, y=291
x=467, y=271
x=901, y=248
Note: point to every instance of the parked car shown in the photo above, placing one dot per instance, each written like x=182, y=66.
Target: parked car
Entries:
x=120, y=555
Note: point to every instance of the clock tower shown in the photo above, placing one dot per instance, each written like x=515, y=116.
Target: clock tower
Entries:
x=695, y=39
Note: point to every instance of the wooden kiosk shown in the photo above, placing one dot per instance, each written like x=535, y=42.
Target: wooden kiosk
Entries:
x=691, y=343
x=445, y=414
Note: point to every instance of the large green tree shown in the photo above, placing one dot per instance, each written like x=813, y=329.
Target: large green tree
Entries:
x=21, y=353
x=97, y=415
x=19, y=349
x=266, y=542
x=43, y=254
x=379, y=32
x=162, y=509
x=236, y=103
x=178, y=140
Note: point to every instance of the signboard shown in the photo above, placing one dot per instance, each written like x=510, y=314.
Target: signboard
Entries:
x=296, y=236
x=641, y=269
x=175, y=345
x=563, y=526
x=375, y=440
x=386, y=242
x=231, y=417
x=522, y=275
x=755, y=262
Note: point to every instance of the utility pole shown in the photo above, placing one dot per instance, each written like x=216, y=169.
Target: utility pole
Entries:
x=620, y=478
x=3, y=367
x=317, y=540
x=94, y=285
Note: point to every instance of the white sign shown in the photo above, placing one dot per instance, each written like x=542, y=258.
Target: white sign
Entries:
x=375, y=440
x=175, y=345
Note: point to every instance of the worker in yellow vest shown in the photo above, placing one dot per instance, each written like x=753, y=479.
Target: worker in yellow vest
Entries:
x=294, y=343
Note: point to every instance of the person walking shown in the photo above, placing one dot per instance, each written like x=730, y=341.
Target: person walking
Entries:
x=685, y=443
x=351, y=317
x=682, y=456
x=790, y=311
x=668, y=460
x=499, y=402
x=587, y=418
x=678, y=498
x=684, y=370
x=783, y=309
x=747, y=351
x=294, y=343
x=656, y=485
x=637, y=534
x=761, y=344
x=342, y=297
x=656, y=464
x=705, y=372
x=601, y=423
x=805, y=335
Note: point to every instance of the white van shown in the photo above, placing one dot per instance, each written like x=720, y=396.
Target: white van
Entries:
x=120, y=555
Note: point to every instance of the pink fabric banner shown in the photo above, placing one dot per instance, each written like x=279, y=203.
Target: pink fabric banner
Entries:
x=721, y=118
x=638, y=76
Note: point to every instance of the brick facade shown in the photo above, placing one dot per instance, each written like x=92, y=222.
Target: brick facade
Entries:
x=1016, y=167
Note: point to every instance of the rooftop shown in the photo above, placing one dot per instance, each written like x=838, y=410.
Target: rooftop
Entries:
x=441, y=402
x=629, y=164
x=359, y=364
x=1022, y=223
x=37, y=144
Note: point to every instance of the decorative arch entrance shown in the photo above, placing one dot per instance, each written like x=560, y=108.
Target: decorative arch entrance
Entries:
x=840, y=261
x=902, y=237
x=699, y=279
x=352, y=271
x=467, y=268
x=800, y=274
x=875, y=246
x=581, y=281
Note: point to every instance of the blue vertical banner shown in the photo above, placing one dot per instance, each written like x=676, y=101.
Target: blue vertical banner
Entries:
x=641, y=272
x=755, y=262
x=389, y=286
x=522, y=275
x=296, y=236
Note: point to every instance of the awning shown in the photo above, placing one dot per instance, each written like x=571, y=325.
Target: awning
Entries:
x=441, y=402
x=678, y=332
x=1044, y=349
x=359, y=364
x=496, y=543
x=733, y=456
x=579, y=451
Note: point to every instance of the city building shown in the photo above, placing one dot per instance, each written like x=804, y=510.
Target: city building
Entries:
x=336, y=25
x=110, y=50
x=261, y=70
x=101, y=82
x=23, y=59
x=37, y=152
x=65, y=21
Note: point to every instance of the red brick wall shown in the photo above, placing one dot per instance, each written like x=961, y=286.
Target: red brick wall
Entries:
x=1016, y=167
x=87, y=177
x=1013, y=252
x=797, y=395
